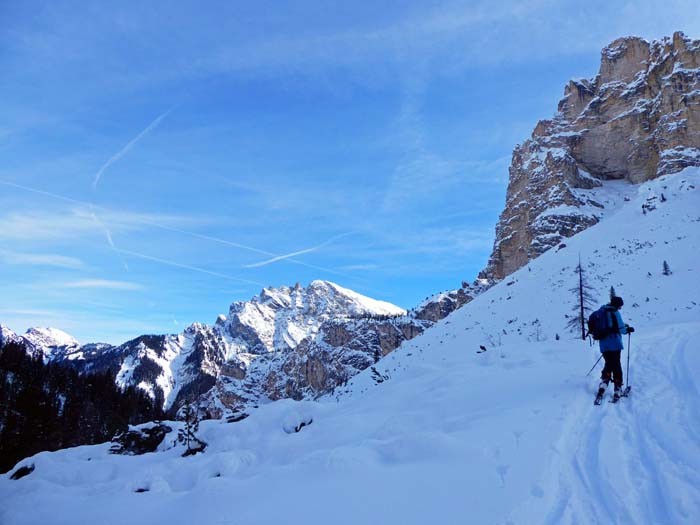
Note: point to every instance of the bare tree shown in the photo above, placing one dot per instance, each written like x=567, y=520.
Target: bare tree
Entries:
x=584, y=301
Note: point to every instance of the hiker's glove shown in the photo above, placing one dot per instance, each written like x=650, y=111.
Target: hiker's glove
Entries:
x=630, y=329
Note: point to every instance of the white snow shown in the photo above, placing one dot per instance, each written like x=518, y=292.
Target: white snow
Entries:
x=508, y=436
x=126, y=371
x=51, y=341
x=367, y=304
x=7, y=335
x=51, y=336
x=680, y=69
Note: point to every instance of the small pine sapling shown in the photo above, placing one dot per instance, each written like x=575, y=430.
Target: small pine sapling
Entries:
x=188, y=434
x=666, y=269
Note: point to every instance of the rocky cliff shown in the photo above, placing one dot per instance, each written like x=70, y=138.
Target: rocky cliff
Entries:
x=638, y=119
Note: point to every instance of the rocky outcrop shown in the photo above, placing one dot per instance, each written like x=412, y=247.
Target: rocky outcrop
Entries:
x=139, y=440
x=638, y=119
x=340, y=348
x=443, y=304
x=315, y=367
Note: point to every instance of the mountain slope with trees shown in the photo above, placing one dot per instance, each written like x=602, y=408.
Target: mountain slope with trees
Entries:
x=436, y=432
x=51, y=406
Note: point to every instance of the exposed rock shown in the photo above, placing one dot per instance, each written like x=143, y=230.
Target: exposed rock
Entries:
x=22, y=471
x=443, y=304
x=140, y=440
x=638, y=119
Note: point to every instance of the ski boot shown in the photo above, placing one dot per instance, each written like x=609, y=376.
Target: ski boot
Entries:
x=601, y=392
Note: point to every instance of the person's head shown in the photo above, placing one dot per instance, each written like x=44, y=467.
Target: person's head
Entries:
x=616, y=302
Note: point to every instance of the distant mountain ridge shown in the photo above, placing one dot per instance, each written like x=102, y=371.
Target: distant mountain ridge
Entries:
x=285, y=342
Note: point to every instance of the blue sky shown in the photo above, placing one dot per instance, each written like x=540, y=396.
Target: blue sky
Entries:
x=160, y=161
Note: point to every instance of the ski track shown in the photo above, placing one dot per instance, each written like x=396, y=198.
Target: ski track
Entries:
x=593, y=466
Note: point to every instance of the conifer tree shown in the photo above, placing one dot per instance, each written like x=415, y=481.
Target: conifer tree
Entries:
x=188, y=435
x=52, y=406
x=584, y=301
x=666, y=269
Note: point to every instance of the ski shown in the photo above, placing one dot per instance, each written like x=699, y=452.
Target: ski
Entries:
x=625, y=393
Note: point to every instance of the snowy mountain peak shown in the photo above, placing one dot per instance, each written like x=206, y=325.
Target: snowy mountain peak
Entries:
x=280, y=318
x=360, y=304
x=324, y=297
x=6, y=335
x=50, y=337
x=51, y=343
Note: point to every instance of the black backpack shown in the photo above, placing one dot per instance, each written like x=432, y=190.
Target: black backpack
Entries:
x=601, y=325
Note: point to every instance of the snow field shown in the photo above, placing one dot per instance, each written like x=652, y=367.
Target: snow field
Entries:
x=508, y=436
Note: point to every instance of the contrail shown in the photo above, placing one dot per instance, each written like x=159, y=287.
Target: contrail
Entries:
x=300, y=252
x=111, y=161
x=175, y=230
x=279, y=258
x=186, y=266
x=108, y=234
x=118, y=155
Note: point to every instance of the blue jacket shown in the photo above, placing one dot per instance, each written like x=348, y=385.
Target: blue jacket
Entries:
x=613, y=342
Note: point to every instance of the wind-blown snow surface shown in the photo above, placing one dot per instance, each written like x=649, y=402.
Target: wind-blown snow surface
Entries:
x=437, y=433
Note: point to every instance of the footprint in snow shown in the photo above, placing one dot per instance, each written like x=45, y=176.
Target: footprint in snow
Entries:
x=502, y=473
x=537, y=491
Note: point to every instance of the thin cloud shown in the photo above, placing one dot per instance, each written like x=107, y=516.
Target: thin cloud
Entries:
x=408, y=38
x=104, y=284
x=21, y=227
x=153, y=125
x=41, y=259
x=360, y=267
x=25, y=311
x=75, y=223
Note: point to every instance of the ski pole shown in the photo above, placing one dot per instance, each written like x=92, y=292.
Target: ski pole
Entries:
x=601, y=357
x=629, y=343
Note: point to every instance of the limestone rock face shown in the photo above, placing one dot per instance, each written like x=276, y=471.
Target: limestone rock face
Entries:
x=340, y=349
x=638, y=119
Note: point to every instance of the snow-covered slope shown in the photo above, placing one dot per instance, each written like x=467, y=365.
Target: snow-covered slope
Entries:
x=436, y=433
x=50, y=343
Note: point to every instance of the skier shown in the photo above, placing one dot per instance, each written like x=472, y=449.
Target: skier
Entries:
x=611, y=348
